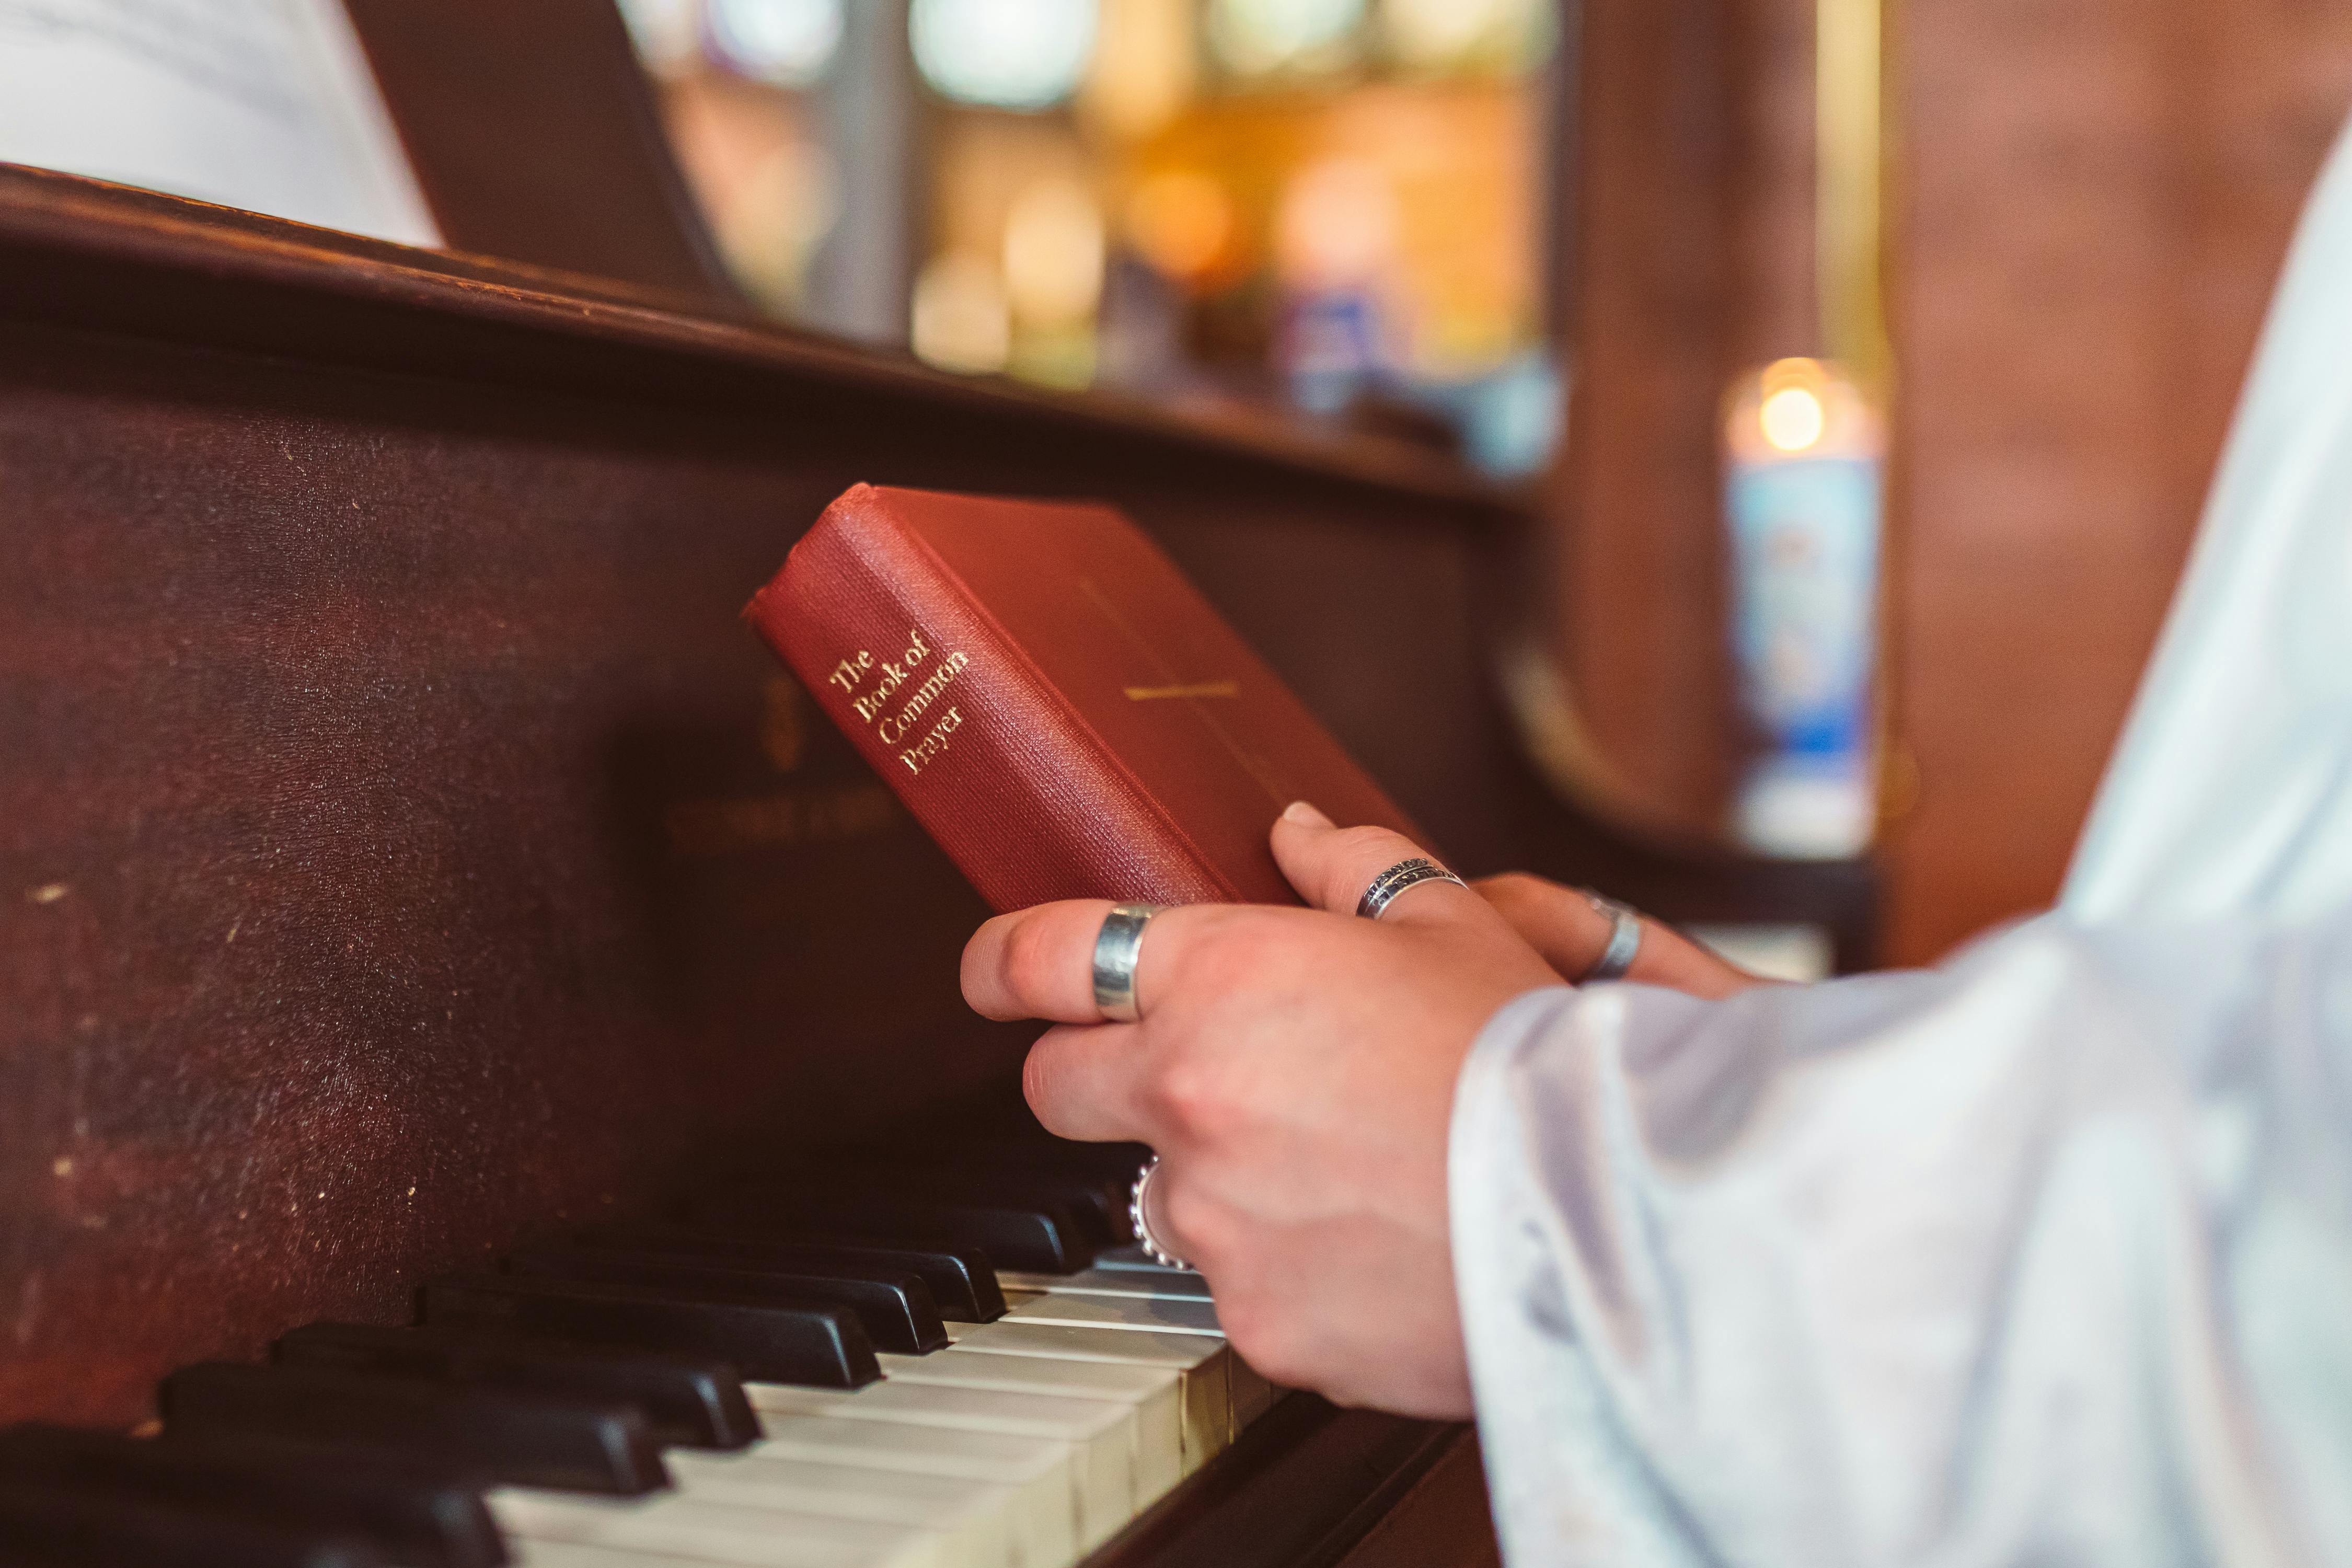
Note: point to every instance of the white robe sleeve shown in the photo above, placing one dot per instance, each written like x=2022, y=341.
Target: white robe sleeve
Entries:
x=2045, y=1257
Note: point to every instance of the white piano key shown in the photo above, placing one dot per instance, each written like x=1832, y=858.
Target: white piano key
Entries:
x=1202, y=1360
x=1133, y=1259
x=1102, y=1435
x=1054, y=1303
x=1163, y=1314
x=670, y=1525
x=1042, y=1508
x=1155, y=1393
x=1171, y=1283
x=525, y=1552
x=974, y=1519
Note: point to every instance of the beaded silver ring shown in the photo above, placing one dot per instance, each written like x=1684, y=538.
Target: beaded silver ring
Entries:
x=1142, y=1227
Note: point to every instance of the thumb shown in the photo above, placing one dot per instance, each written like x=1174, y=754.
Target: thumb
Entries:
x=1331, y=866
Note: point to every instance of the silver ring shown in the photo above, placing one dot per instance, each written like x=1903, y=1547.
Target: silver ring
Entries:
x=1412, y=873
x=1117, y=945
x=1136, y=1222
x=1624, y=939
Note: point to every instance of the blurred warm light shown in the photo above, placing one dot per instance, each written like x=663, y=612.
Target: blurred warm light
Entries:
x=1004, y=54
x=1802, y=472
x=668, y=33
x=1180, y=222
x=1298, y=186
x=1254, y=37
x=1426, y=32
x=1144, y=67
x=1431, y=34
x=788, y=42
x=1054, y=254
x=768, y=186
x=1338, y=225
x=1793, y=418
x=1064, y=356
x=769, y=229
x=962, y=319
x=1801, y=408
x=1783, y=375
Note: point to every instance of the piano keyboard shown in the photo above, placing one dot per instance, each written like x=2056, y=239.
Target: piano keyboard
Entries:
x=761, y=1385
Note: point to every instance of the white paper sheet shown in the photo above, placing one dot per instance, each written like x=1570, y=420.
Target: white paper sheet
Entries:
x=262, y=104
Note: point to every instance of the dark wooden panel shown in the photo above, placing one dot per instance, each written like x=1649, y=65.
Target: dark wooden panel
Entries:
x=404, y=847
x=1310, y=1486
x=1444, y=1521
x=405, y=843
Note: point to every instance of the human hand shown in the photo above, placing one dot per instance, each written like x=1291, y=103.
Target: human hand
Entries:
x=1294, y=1070
x=1561, y=924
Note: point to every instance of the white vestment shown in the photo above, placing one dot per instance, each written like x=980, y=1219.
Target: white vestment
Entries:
x=2042, y=1256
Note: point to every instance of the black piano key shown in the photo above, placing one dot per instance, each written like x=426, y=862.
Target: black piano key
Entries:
x=1040, y=1237
x=694, y=1402
x=1097, y=1205
x=963, y=1282
x=421, y=1520
x=502, y=1435
x=43, y=1526
x=816, y=1344
x=897, y=1309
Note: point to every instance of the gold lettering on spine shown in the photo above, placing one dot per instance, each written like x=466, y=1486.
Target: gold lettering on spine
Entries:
x=893, y=730
x=933, y=745
x=893, y=712
x=850, y=670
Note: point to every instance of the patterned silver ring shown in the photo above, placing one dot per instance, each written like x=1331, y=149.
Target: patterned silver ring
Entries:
x=1411, y=873
x=1142, y=1227
x=1117, y=947
x=1624, y=939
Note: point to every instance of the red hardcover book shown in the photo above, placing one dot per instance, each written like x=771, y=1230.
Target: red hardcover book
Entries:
x=1056, y=705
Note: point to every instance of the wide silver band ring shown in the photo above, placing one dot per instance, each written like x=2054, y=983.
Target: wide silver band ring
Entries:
x=1616, y=959
x=1142, y=1226
x=1411, y=873
x=1117, y=947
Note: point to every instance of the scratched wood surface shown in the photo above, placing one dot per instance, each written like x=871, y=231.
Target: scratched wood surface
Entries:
x=404, y=847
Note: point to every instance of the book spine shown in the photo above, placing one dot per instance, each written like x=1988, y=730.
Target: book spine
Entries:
x=993, y=762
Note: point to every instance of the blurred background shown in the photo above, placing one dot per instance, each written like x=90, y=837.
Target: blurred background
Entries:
x=2026, y=248
x=1329, y=204
x=1858, y=367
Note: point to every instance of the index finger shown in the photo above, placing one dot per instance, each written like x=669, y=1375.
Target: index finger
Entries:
x=1039, y=963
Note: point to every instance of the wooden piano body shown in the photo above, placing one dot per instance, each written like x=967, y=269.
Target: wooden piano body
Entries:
x=404, y=850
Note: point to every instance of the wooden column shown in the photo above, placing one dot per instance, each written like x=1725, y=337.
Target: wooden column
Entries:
x=2095, y=202
x=1693, y=260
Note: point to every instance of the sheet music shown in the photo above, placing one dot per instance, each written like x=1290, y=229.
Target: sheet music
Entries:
x=262, y=104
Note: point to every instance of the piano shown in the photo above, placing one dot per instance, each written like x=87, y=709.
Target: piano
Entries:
x=481, y=1074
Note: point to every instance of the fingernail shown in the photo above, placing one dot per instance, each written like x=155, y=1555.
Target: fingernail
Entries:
x=1299, y=811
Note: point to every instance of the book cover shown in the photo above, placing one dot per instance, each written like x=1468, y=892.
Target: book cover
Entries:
x=1053, y=700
